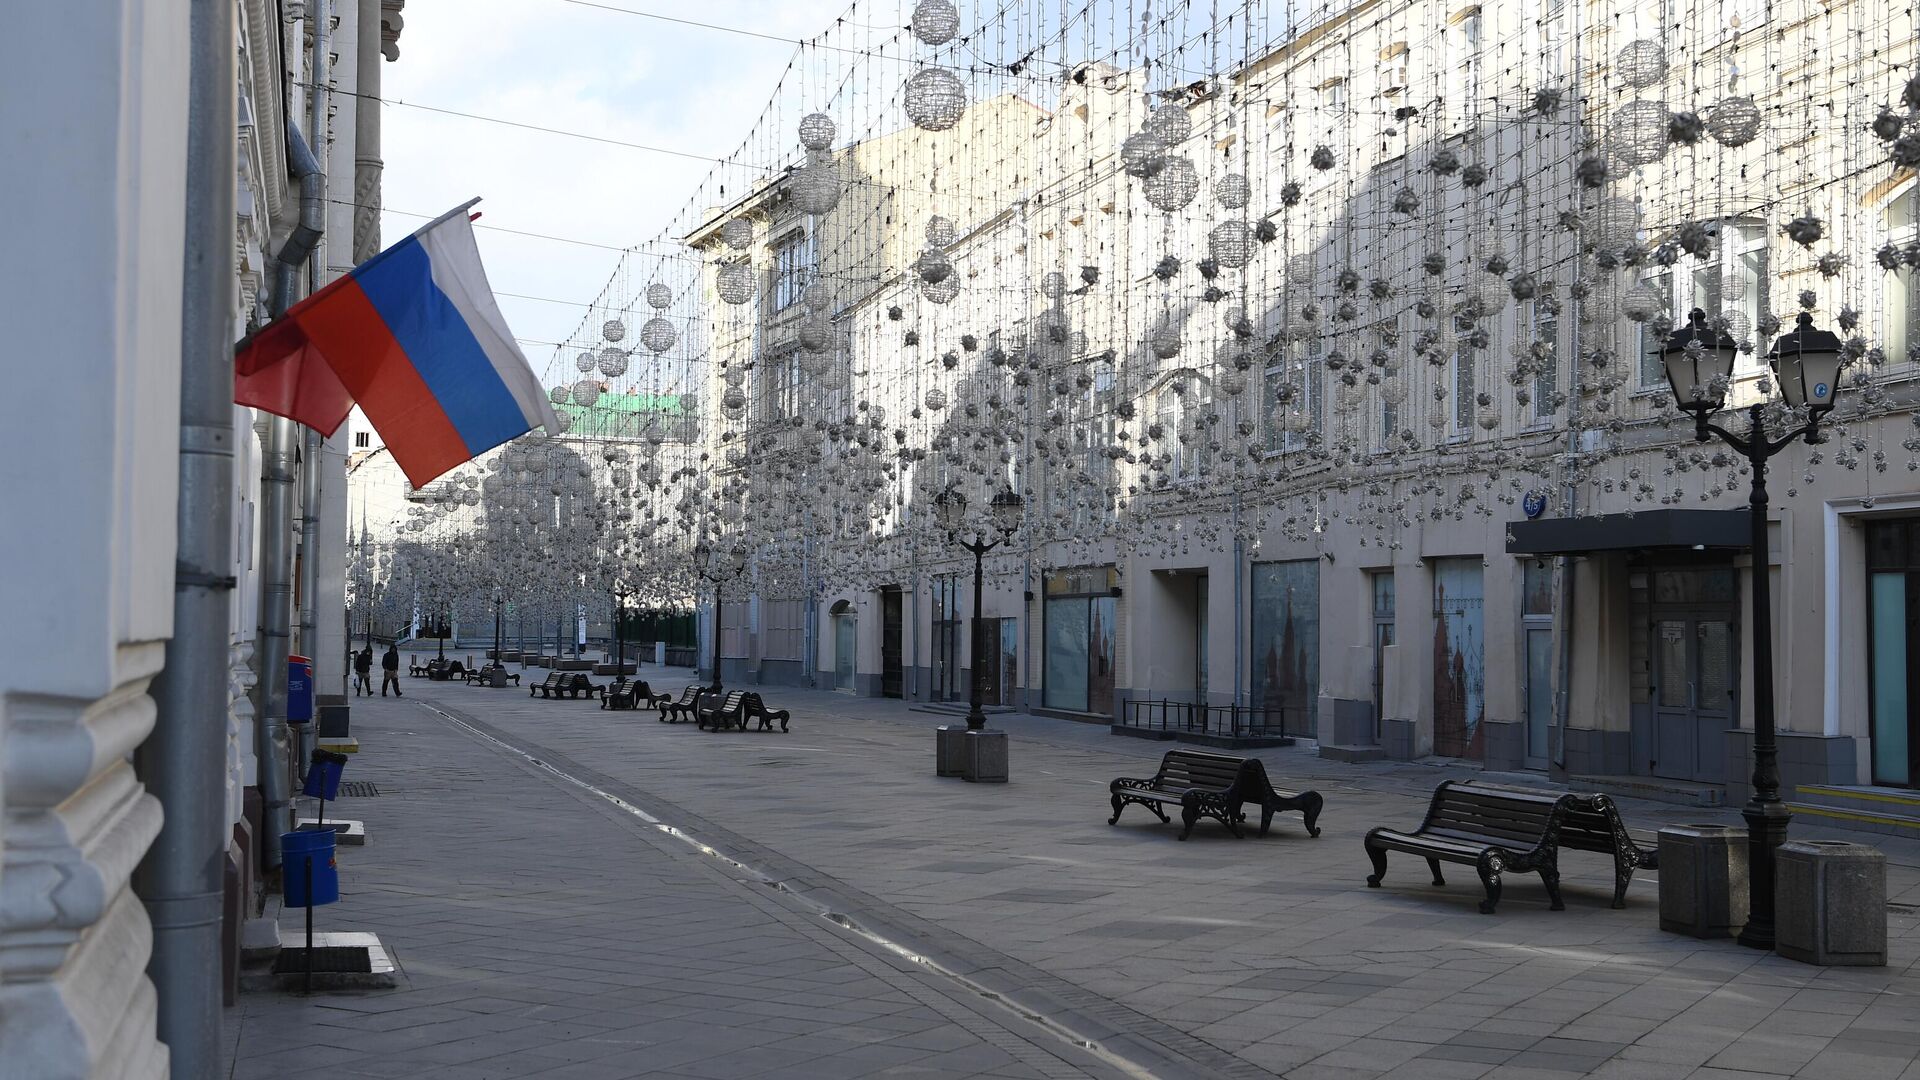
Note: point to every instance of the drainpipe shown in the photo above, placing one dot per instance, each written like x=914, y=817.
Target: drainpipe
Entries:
x=276, y=521
x=1239, y=607
x=310, y=448
x=183, y=762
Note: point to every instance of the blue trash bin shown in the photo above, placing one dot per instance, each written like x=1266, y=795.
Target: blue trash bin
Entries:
x=295, y=849
x=323, y=775
x=299, y=690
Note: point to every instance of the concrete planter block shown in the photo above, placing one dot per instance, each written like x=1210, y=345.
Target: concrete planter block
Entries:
x=986, y=757
x=1830, y=903
x=950, y=750
x=1703, y=880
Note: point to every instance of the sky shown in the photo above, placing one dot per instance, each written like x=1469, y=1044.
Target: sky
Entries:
x=574, y=67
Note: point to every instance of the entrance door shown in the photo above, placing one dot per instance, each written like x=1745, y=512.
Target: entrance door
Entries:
x=946, y=639
x=1383, y=628
x=845, y=641
x=1200, y=639
x=1459, y=656
x=890, y=677
x=1009, y=668
x=1893, y=636
x=1536, y=625
x=1693, y=659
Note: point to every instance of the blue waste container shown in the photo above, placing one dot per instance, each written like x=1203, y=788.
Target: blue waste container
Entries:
x=296, y=848
x=323, y=775
x=299, y=690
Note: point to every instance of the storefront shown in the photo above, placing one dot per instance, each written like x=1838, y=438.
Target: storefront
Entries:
x=1077, y=639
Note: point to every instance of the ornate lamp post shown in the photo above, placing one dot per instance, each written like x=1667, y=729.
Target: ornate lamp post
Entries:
x=1806, y=364
x=717, y=566
x=950, y=510
x=499, y=601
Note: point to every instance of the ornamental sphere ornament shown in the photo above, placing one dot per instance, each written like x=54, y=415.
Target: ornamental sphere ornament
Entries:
x=1231, y=243
x=1171, y=123
x=1232, y=191
x=935, y=99
x=1142, y=154
x=738, y=234
x=584, y=362
x=657, y=334
x=735, y=283
x=1640, y=132
x=816, y=187
x=586, y=392
x=659, y=297
x=935, y=22
x=613, y=330
x=940, y=232
x=1642, y=63
x=1734, y=121
x=613, y=362
x=816, y=131
x=1174, y=186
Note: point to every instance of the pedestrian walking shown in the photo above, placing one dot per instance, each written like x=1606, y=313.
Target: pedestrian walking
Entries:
x=363, y=671
x=390, y=664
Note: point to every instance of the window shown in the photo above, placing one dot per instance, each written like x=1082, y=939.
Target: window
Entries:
x=1077, y=639
x=1184, y=430
x=1553, y=52
x=779, y=382
x=784, y=629
x=361, y=440
x=792, y=267
x=1463, y=382
x=1464, y=100
x=1902, y=288
x=1389, y=400
x=1730, y=280
x=1541, y=336
x=1294, y=396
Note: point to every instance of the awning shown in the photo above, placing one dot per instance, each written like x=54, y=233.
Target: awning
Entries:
x=1623, y=532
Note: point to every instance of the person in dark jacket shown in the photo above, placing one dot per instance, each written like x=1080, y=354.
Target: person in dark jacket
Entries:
x=390, y=665
x=363, y=671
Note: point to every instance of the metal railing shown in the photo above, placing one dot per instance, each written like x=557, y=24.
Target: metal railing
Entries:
x=1228, y=721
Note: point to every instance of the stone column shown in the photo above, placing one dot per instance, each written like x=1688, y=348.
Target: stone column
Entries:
x=87, y=564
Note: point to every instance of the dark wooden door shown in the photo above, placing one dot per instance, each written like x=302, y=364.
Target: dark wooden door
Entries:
x=890, y=678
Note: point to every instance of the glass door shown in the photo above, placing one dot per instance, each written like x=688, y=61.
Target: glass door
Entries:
x=1536, y=620
x=1893, y=628
x=1693, y=697
x=1383, y=629
x=845, y=641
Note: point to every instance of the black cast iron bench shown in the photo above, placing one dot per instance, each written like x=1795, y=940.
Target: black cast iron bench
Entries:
x=1212, y=785
x=546, y=687
x=1494, y=830
x=730, y=712
x=756, y=709
x=672, y=712
x=1591, y=822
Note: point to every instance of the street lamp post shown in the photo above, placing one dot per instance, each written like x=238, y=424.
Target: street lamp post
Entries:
x=716, y=566
x=499, y=598
x=1806, y=363
x=950, y=510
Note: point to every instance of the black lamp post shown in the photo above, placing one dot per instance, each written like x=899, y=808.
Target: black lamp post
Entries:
x=950, y=510
x=499, y=598
x=1806, y=364
x=716, y=566
x=619, y=631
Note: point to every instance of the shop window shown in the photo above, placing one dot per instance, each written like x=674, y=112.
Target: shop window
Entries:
x=1077, y=640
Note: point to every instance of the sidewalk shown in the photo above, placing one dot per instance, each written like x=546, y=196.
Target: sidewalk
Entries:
x=1213, y=957
x=543, y=932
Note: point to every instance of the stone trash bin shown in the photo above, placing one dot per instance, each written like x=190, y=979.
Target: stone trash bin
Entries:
x=986, y=757
x=1830, y=903
x=950, y=750
x=1703, y=880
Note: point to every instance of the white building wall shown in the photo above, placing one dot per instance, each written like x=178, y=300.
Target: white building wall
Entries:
x=90, y=549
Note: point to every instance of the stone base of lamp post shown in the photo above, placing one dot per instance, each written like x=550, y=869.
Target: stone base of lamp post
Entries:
x=1703, y=880
x=950, y=750
x=1830, y=904
x=986, y=757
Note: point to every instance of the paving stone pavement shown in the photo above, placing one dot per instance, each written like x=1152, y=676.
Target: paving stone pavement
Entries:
x=543, y=932
x=1214, y=957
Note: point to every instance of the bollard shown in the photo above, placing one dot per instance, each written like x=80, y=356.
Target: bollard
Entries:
x=950, y=750
x=1703, y=880
x=1830, y=903
x=986, y=757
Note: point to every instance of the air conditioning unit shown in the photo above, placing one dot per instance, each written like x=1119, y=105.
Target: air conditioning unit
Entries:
x=1394, y=77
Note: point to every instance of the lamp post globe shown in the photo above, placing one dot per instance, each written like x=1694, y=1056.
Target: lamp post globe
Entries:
x=1806, y=364
x=1699, y=362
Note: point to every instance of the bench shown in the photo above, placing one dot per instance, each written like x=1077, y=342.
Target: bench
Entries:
x=546, y=687
x=630, y=694
x=576, y=683
x=1489, y=828
x=672, y=712
x=1212, y=785
x=1592, y=823
x=757, y=710
x=731, y=711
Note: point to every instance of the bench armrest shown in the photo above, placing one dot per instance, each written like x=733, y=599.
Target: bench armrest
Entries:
x=1135, y=782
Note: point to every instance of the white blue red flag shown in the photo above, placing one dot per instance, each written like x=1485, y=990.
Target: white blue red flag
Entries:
x=415, y=338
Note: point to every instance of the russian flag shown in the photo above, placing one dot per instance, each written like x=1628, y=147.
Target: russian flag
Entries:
x=416, y=339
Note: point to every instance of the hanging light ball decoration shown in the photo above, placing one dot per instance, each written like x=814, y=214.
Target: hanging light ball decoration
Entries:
x=1734, y=121
x=940, y=232
x=816, y=131
x=1231, y=244
x=1142, y=154
x=1640, y=303
x=586, y=392
x=942, y=291
x=734, y=402
x=932, y=266
x=659, y=297
x=1232, y=191
x=613, y=362
x=1053, y=285
x=584, y=362
x=1640, y=132
x=735, y=282
x=1641, y=63
x=657, y=334
x=1171, y=123
x=816, y=187
x=1174, y=186
x=1166, y=341
x=738, y=233
x=1616, y=223
x=935, y=22
x=558, y=395
x=936, y=399
x=613, y=330
x=935, y=99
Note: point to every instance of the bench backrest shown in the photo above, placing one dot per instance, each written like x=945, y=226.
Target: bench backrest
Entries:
x=732, y=701
x=1183, y=769
x=553, y=678
x=691, y=694
x=1514, y=818
x=1588, y=821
